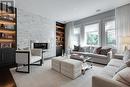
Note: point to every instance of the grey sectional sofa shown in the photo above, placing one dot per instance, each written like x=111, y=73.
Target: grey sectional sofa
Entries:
x=97, y=58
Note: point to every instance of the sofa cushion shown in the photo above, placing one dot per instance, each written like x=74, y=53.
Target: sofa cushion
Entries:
x=98, y=56
x=77, y=57
x=116, y=62
x=34, y=59
x=109, y=71
x=123, y=76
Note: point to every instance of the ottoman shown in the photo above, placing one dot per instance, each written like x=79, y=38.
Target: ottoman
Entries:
x=56, y=63
x=71, y=68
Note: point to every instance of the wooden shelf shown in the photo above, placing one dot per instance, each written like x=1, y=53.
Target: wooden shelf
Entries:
x=60, y=27
x=7, y=14
x=6, y=40
x=59, y=32
x=7, y=22
x=7, y=31
x=60, y=38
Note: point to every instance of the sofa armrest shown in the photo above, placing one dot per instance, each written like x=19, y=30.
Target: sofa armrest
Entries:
x=103, y=82
x=109, y=54
x=118, y=56
x=36, y=52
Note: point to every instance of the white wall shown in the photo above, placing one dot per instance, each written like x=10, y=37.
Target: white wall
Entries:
x=35, y=27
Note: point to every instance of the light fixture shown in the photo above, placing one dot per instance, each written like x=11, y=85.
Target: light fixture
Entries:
x=126, y=42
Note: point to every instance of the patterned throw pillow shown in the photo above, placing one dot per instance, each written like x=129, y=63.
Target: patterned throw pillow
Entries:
x=76, y=48
x=104, y=51
x=97, y=50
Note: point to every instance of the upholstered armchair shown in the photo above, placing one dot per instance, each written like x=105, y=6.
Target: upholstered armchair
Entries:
x=27, y=58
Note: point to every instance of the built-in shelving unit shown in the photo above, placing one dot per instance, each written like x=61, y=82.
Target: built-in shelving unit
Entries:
x=8, y=34
x=60, y=34
x=7, y=26
x=60, y=38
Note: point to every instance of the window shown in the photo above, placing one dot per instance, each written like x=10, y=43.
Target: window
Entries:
x=92, y=34
x=76, y=38
x=110, y=33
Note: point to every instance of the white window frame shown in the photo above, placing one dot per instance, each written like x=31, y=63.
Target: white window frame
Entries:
x=78, y=35
x=92, y=31
x=106, y=44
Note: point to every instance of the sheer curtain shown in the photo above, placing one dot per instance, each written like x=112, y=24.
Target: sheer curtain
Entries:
x=69, y=32
x=122, y=24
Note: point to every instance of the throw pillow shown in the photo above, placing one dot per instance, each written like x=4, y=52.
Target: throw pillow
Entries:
x=104, y=51
x=123, y=76
x=76, y=48
x=126, y=56
x=97, y=50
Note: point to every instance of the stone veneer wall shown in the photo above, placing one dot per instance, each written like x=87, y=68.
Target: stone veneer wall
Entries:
x=35, y=27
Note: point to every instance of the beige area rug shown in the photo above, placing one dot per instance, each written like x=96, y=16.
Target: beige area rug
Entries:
x=44, y=76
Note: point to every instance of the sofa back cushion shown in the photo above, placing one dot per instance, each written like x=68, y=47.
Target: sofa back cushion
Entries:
x=123, y=76
x=84, y=49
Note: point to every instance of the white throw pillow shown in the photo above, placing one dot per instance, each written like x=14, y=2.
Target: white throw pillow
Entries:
x=126, y=57
x=123, y=76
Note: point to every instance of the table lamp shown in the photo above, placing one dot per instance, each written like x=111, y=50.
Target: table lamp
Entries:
x=126, y=42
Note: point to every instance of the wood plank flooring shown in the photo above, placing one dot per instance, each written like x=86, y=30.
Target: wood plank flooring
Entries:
x=6, y=79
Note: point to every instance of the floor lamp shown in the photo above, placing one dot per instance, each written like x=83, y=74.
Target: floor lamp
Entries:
x=126, y=42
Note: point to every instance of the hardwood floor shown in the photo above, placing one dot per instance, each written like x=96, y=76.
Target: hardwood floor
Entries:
x=6, y=79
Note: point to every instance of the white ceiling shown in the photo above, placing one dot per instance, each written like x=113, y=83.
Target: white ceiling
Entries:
x=68, y=10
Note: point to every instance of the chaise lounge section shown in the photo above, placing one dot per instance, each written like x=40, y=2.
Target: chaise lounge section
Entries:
x=115, y=74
